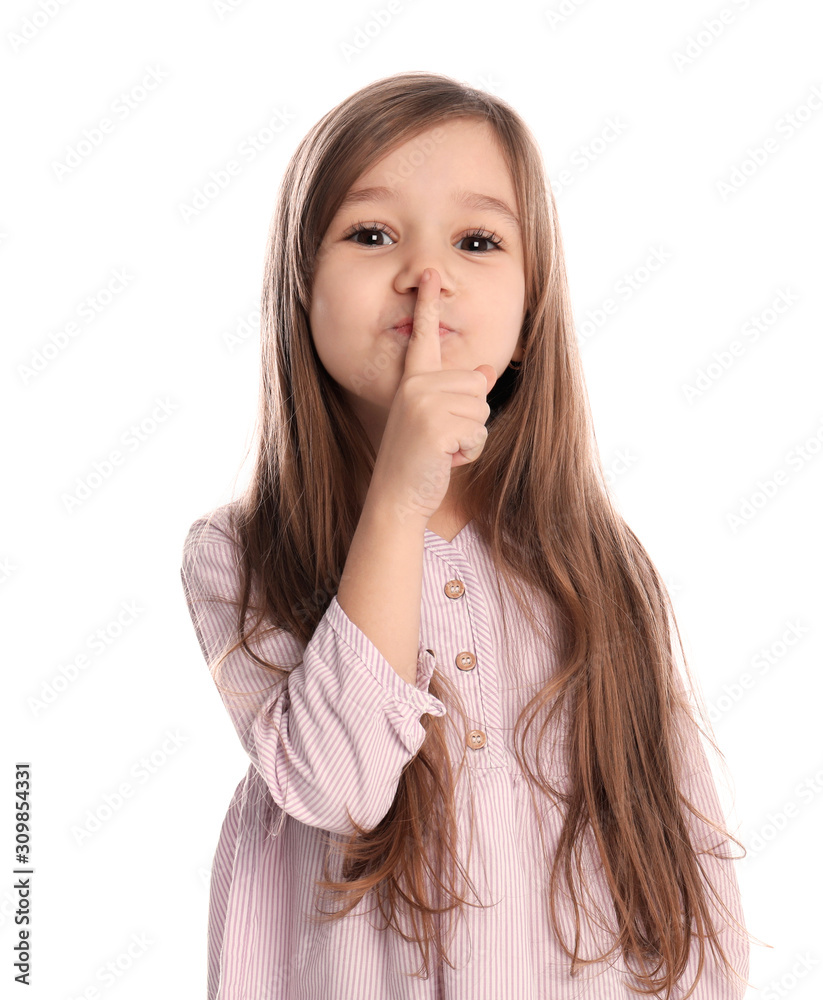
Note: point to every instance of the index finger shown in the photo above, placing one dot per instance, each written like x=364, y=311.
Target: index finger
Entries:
x=423, y=353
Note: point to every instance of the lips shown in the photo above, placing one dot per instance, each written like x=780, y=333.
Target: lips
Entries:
x=406, y=327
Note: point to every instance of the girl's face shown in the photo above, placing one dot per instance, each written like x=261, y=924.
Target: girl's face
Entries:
x=366, y=282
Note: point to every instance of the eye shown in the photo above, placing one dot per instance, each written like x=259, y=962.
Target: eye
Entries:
x=376, y=230
x=480, y=235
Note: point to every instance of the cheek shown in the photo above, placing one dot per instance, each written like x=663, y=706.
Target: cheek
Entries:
x=336, y=346
x=332, y=304
x=318, y=306
x=517, y=292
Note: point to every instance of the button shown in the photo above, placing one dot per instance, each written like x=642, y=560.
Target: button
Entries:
x=454, y=589
x=465, y=660
x=476, y=739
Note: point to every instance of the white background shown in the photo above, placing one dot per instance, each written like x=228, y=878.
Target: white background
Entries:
x=692, y=108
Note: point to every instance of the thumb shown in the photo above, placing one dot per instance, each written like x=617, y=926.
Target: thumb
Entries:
x=490, y=373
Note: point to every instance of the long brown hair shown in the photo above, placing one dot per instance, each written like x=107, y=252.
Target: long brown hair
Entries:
x=540, y=502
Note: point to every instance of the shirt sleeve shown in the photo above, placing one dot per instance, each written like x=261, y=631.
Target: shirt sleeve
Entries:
x=337, y=731
x=716, y=855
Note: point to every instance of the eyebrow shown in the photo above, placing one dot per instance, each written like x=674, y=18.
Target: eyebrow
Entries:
x=469, y=199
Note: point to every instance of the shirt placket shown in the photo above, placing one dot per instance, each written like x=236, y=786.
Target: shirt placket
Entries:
x=457, y=629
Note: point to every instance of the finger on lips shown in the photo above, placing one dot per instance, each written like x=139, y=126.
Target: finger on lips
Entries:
x=423, y=353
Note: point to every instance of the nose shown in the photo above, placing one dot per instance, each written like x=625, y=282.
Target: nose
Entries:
x=422, y=248
x=419, y=255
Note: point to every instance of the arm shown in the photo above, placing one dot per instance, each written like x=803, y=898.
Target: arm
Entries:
x=336, y=732
x=382, y=582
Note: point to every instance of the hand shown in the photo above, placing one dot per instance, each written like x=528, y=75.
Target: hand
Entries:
x=437, y=420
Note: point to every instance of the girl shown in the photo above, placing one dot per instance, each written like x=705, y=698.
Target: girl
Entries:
x=474, y=770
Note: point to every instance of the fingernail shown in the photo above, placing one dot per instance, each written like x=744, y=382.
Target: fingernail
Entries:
x=426, y=275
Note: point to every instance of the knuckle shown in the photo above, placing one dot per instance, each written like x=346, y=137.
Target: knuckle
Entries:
x=410, y=386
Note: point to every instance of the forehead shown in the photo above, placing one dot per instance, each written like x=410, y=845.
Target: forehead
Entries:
x=467, y=199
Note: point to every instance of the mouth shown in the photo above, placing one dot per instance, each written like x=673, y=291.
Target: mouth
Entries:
x=406, y=328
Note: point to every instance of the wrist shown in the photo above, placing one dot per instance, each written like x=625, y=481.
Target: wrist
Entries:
x=395, y=512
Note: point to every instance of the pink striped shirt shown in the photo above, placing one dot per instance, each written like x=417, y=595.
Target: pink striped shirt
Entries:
x=348, y=726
